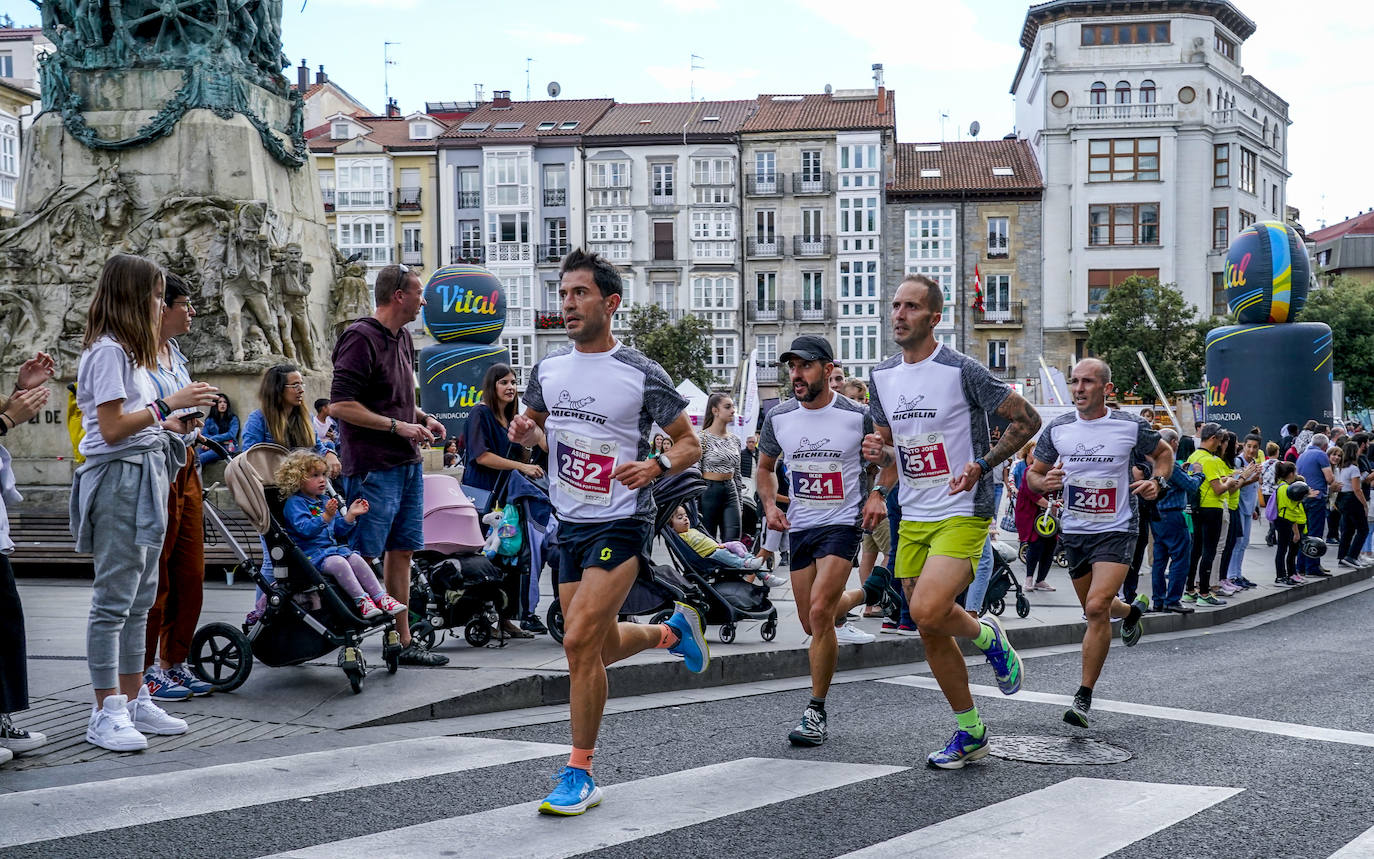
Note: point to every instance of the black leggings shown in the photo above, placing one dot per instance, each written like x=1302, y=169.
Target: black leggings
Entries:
x=1142, y=539
x=720, y=513
x=1039, y=556
x=14, y=670
x=1354, y=526
x=1286, y=555
x=1206, y=534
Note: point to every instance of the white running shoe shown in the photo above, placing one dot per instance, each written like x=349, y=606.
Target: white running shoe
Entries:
x=111, y=728
x=149, y=718
x=773, y=580
x=851, y=634
x=5, y=755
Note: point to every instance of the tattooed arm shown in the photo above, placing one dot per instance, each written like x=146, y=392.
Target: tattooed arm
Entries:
x=1025, y=423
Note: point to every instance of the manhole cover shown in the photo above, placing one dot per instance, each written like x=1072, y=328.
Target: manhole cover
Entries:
x=1058, y=750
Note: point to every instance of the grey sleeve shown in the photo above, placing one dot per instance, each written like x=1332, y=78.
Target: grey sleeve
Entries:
x=768, y=439
x=1146, y=440
x=875, y=405
x=661, y=399
x=533, y=397
x=981, y=387
x=1045, y=451
x=868, y=421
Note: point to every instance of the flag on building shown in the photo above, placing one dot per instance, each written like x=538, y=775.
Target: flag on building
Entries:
x=977, y=290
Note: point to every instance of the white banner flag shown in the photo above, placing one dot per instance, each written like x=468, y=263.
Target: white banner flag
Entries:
x=747, y=403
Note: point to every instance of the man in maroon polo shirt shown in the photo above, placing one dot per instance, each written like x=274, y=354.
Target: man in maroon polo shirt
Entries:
x=380, y=434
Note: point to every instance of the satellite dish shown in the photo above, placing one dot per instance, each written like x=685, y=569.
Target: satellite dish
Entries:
x=829, y=89
x=974, y=128
x=554, y=89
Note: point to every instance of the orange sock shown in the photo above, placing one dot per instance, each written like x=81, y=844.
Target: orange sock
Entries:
x=667, y=636
x=581, y=759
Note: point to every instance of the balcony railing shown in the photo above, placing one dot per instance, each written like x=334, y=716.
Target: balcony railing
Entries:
x=763, y=248
x=510, y=252
x=722, y=251
x=472, y=254
x=608, y=184
x=1010, y=313
x=1005, y=372
x=663, y=250
x=410, y=256
x=812, y=246
x=469, y=199
x=1123, y=112
x=813, y=311
x=328, y=194
x=555, y=196
x=408, y=199
x=662, y=201
x=353, y=200
x=812, y=182
x=547, y=320
x=552, y=253
x=768, y=310
x=765, y=184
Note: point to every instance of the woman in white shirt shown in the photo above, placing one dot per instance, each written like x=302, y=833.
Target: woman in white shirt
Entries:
x=1354, y=507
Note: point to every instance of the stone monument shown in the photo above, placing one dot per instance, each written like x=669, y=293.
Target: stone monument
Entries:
x=168, y=130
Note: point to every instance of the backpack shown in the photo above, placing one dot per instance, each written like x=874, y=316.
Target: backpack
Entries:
x=1271, y=507
x=76, y=429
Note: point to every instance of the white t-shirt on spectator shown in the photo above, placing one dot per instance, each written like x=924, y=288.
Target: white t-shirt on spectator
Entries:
x=104, y=374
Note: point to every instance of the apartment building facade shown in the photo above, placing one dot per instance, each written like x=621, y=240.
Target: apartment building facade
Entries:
x=956, y=210
x=511, y=196
x=1155, y=146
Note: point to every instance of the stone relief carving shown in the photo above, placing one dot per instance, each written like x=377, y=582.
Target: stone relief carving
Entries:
x=351, y=297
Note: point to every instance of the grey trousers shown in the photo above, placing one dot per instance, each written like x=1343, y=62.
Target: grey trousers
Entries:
x=125, y=580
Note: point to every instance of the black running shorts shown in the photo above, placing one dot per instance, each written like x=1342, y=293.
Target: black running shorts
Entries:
x=603, y=545
x=811, y=544
x=1084, y=550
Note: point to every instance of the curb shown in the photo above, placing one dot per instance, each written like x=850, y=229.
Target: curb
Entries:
x=548, y=689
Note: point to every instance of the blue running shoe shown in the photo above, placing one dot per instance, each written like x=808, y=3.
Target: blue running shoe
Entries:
x=691, y=645
x=1003, y=659
x=962, y=748
x=576, y=792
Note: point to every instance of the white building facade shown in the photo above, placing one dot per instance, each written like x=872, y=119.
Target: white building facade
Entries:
x=1155, y=146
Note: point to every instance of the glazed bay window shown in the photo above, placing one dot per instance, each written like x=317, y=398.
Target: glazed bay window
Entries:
x=508, y=237
x=858, y=345
x=1221, y=229
x=1246, y=218
x=1123, y=224
x=721, y=359
x=369, y=236
x=1221, y=165
x=519, y=300
x=713, y=171
x=1144, y=33
x=713, y=292
x=930, y=234
x=508, y=178
x=1247, y=170
x=608, y=227
x=362, y=183
x=1123, y=159
x=858, y=288
x=608, y=174
x=767, y=347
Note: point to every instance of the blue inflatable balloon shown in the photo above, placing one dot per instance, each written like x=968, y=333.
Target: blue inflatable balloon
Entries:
x=464, y=304
x=1267, y=274
x=451, y=380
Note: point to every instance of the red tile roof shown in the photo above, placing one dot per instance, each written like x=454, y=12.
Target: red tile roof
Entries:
x=20, y=34
x=822, y=112
x=1360, y=225
x=392, y=134
x=966, y=166
x=530, y=114
x=682, y=117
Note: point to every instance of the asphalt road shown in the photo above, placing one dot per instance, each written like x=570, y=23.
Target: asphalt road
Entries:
x=1273, y=791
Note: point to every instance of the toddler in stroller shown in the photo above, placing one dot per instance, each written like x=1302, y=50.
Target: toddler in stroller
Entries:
x=731, y=554
x=314, y=524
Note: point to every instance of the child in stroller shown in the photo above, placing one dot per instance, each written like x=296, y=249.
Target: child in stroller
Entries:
x=314, y=524
x=731, y=554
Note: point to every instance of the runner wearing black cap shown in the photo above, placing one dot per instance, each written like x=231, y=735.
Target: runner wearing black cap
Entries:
x=819, y=435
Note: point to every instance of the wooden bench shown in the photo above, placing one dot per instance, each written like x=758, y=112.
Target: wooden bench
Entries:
x=43, y=539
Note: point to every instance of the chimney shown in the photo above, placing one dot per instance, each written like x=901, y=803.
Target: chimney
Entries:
x=393, y=109
x=302, y=77
x=321, y=77
x=882, y=90
x=500, y=98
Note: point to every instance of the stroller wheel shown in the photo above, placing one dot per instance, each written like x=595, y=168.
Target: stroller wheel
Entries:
x=554, y=621
x=424, y=632
x=997, y=607
x=478, y=632
x=727, y=633
x=769, y=630
x=221, y=654
x=391, y=650
x=354, y=667
x=1022, y=605
x=1021, y=553
x=661, y=617
x=1061, y=559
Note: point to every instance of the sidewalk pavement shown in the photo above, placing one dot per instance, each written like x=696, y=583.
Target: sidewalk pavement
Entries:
x=279, y=702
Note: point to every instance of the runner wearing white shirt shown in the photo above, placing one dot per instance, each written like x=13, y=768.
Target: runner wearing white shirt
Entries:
x=819, y=435
x=591, y=406
x=934, y=403
x=1087, y=454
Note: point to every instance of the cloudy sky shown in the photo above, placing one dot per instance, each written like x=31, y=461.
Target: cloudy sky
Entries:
x=950, y=61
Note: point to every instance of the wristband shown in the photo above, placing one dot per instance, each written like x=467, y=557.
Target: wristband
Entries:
x=393, y=426
x=157, y=409
x=983, y=464
x=164, y=408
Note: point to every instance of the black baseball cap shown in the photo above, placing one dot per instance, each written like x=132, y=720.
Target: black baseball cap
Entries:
x=809, y=347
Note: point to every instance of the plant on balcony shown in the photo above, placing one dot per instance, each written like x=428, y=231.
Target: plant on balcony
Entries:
x=1140, y=313
x=680, y=347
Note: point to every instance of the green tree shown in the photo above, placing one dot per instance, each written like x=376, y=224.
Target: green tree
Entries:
x=680, y=347
x=1347, y=305
x=1142, y=314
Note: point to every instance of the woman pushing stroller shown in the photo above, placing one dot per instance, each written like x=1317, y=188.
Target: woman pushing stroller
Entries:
x=315, y=525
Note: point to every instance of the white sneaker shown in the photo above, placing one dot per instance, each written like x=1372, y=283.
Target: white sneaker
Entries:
x=5, y=755
x=110, y=726
x=149, y=718
x=773, y=580
x=16, y=739
x=851, y=634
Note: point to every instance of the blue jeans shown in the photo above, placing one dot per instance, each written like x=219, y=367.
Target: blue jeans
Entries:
x=1247, y=513
x=395, y=520
x=1173, y=549
x=979, y=588
x=894, y=518
x=1316, y=527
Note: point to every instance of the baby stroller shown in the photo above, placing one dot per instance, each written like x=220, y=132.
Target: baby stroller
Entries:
x=452, y=584
x=728, y=598
x=1002, y=582
x=307, y=614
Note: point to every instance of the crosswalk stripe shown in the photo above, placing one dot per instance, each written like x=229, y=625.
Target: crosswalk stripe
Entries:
x=630, y=811
x=1086, y=818
x=1361, y=848
x=1199, y=717
x=59, y=812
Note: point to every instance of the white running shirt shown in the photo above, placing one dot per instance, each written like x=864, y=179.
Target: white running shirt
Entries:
x=822, y=450
x=1097, y=458
x=601, y=407
x=938, y=411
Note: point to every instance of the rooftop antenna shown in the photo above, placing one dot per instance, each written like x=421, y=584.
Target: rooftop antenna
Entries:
x=693, y=66
x=944, y=115
x=528, y=60
x=387, y=63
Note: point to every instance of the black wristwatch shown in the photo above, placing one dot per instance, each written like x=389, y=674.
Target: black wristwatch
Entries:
x=1161, y=483
x=664, y=463
x=983, y=464
x=881, y=490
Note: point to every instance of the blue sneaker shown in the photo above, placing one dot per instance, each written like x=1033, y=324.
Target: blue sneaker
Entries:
x=1006, y=665
x=691, y=645
x=181, y=674
x=162, y=687
x=962, y=748
x=576, y=792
